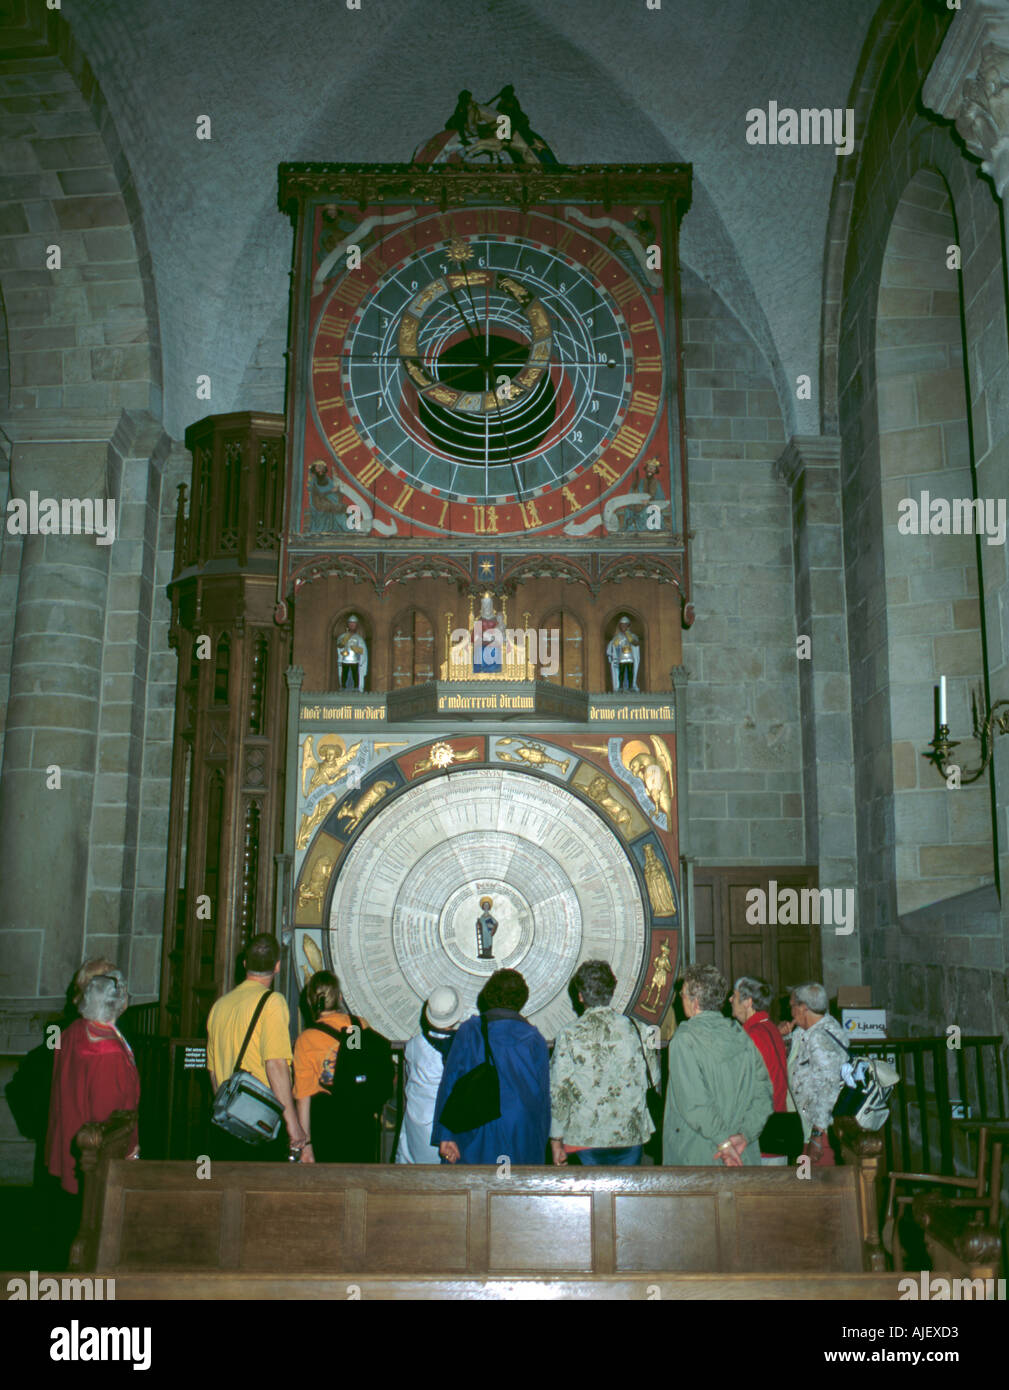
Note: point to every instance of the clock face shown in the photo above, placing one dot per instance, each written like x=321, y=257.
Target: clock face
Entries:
x=403, y=917
x=485, y=371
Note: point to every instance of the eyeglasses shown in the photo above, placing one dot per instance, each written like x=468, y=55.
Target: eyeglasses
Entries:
x=119, y=984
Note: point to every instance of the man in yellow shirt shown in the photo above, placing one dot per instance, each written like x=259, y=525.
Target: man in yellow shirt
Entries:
x=268, y=1056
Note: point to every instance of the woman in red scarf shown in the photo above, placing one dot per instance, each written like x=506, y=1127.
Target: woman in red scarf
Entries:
x=93, y=1072
x=750, y=1000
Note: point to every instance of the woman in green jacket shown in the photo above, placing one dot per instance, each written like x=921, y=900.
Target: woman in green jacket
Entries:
x=719, y=1094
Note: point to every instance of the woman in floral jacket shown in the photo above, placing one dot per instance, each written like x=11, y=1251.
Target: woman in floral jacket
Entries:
x=600, y=1072
x=816, y=1055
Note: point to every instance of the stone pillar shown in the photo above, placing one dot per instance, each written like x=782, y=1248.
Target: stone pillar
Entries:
x=811, y=466
x=52, y=717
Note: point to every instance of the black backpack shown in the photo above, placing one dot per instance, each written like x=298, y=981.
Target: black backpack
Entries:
x=362, y=1082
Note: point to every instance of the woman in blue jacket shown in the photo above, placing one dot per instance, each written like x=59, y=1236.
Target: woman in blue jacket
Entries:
x=523, y=1064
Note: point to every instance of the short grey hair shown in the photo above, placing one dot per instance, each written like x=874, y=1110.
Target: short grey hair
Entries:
x=595, y=982
x=104, y=998
x=813, y=995
x=706, y=985
x=756, y=990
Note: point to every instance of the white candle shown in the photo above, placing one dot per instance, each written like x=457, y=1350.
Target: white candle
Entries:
x=942, y=699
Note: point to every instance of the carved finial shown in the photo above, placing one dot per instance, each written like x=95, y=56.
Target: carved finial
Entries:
x=969, y=84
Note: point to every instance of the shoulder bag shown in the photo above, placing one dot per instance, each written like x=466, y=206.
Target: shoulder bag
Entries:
x=782, y=1132
x=475, y=1099
x=653, y=1096
x=243, y=1106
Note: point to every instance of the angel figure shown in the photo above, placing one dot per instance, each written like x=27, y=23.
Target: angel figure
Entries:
x=329, y=766
x=654, y=767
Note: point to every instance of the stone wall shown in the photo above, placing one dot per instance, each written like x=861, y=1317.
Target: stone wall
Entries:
x=943, y=964
x=744, y=748
x=943, y=843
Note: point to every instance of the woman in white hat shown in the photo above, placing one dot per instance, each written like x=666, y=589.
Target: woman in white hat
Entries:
x=425, y=1060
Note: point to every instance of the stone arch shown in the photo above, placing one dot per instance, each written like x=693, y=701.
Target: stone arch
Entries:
x=943, y=844
x=5, y=360
x=885, y=27
x=262, y=384
x=85, y=336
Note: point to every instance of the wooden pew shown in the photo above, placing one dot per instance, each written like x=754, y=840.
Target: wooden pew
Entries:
x=644, y=1287
x=98, y=1145
x=372, y=1231
x=468, y=1223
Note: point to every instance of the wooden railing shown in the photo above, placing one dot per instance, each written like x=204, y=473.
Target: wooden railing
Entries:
x=921, y=1136
x=139, y=1025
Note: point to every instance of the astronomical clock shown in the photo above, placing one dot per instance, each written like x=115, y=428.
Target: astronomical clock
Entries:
x=482, y=570
x=485, y=423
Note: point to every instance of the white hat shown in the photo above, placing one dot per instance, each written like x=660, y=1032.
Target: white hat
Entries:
x=624, y=619
x=444, y=1008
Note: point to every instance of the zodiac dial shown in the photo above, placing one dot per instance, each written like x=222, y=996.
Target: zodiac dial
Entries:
x=487, y=371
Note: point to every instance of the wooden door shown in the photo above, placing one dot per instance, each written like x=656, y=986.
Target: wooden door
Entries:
x=571, y=641
x=784, y=954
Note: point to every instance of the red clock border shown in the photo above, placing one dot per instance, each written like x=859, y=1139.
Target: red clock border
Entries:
x=333, y=311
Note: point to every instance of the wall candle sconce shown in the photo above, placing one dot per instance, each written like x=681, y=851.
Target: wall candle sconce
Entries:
x=983, y=730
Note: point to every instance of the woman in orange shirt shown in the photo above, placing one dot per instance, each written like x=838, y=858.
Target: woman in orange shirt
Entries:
x=333, y=1137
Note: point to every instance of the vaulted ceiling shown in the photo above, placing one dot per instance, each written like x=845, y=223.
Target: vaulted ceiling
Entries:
x=314, y=80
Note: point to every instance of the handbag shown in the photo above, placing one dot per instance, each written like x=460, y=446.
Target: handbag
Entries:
x=782, y=1134
x=475, y=1098
x=653, y=1097
x=243, y=1106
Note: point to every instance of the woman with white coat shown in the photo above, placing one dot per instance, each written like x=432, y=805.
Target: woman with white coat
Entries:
x=425, y=1061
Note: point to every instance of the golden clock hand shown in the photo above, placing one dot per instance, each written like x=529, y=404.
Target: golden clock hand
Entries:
x=507, y=442
x=473, y=332
x=476, y=311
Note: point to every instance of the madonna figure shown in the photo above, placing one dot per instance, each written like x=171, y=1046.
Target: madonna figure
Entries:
x=486, y=926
